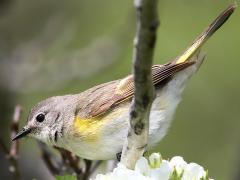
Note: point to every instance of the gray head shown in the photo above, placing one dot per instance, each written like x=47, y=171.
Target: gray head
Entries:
x=46, y=119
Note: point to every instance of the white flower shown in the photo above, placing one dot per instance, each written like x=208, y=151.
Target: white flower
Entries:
x=193, y=171
x=178, y=163
x=122, y=173
x=157, y=169
x=142, y=166
x=163, y=172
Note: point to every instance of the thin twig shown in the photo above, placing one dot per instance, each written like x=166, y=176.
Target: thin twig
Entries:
x=147, y=23
x=12, y=152
x=68, y=164
x=3, y=147
x=71, y=162
x=47, y=157
x=95, y=166
x=14, y=148
x=87, y=172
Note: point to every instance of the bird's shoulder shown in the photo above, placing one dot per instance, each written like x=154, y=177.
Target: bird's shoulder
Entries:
x=100, y=99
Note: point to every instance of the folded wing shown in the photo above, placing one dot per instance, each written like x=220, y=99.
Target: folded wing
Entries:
x=103, y=98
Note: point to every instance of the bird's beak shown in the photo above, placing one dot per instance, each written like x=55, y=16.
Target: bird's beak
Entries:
x=25, y=131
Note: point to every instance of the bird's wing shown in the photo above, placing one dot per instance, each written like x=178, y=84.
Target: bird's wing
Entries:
x=100, y=99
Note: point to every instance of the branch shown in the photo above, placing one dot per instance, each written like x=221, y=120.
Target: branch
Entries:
x=14, y=148
x=68, y=164
x=147, y=23
x=95, y=166
x=12, y=153
x=70, y=161
x=47, y=158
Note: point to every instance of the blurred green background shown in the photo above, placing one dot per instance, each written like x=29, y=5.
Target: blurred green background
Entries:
x=58, y=47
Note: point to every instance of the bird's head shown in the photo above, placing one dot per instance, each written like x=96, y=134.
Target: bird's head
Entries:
x=45, y=121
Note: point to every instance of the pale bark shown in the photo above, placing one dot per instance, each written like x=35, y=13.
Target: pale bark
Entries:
x=144, y=43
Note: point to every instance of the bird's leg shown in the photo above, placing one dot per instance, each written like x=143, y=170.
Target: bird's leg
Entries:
x=118, y=156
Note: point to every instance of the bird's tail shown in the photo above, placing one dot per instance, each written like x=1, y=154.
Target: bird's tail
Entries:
x=205, y=35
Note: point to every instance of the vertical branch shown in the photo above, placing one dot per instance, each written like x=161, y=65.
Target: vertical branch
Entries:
x=147, y=23
x=14, y=148
x=12, y=153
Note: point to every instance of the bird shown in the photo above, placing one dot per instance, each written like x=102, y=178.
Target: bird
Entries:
x=93, y=124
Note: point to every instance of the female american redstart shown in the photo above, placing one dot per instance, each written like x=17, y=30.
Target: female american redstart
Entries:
x=93, y=124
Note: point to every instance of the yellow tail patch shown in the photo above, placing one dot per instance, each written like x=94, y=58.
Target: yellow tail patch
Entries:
x=192, y=50
x=206, y=34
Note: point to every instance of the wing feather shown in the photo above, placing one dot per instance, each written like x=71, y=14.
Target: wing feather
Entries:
x=104, y=97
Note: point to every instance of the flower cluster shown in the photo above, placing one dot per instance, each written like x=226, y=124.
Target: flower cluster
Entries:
x=155, y=168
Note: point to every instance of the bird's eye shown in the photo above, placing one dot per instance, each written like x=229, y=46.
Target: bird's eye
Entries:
x=40, y=118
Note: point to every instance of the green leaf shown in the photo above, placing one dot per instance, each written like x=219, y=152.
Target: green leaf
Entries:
x=66, y=177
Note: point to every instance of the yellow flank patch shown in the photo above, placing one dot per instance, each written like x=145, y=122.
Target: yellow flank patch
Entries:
x=87, y=129
x=91, y=129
